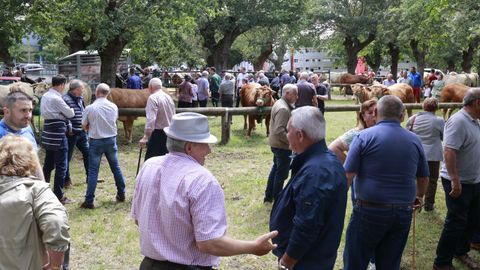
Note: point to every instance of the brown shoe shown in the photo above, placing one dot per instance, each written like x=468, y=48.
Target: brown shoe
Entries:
x=86, y=205
x=68, y=184
x=66, y=200
x=468, y=262
x=445, y=267
x=475, y=246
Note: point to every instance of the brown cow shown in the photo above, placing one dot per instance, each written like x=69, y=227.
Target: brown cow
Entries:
x=348, y=78
x=454, y=92
x=401, y=90
x=251, y=95
x=128, y=98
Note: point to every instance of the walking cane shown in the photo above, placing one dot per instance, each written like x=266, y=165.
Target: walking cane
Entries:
x=139, y=158
x=414, y=264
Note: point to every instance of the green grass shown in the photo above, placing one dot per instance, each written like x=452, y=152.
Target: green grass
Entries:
x=107, y=238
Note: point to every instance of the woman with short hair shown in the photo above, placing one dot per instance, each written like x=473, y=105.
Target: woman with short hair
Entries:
x=34, y=225
x=429, y=129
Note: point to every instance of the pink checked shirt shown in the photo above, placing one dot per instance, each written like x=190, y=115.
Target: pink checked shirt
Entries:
x=178, y=202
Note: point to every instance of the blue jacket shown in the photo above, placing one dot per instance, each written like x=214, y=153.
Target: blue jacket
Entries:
x=310, y=211
x=134, y=82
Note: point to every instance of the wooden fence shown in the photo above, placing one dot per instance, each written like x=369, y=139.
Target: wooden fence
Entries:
x=225, y=113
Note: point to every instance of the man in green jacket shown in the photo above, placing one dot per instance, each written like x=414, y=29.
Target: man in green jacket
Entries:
x=278, y=141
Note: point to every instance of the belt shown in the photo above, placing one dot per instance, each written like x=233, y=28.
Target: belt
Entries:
x=177, y=266
x=381, y=205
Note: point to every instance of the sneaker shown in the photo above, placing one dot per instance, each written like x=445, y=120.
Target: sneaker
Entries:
x=86, y=205
x=120, y=198
x=66, y=200
x=371, y=266
x=468, y=261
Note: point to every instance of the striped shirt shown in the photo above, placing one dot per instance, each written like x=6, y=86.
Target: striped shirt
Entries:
x=101, y=118
x=177, y=202
x=159, y=110
x=77, y=104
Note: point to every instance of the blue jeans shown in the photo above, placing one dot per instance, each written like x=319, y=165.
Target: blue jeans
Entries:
x=376, y=232
x=107, y=146
x=278, y=173
x=463, y=218
x=56, y=159
x=81, y=141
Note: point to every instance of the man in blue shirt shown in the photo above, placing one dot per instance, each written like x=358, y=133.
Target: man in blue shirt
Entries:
x=17, y=113
x=417, y=82
x=134, y=82
x=310, y=211
x=384, y=187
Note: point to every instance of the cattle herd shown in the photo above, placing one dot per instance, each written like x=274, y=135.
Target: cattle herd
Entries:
x=363, y=88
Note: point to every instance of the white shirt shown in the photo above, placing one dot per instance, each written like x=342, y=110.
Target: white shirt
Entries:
x=52, y=106
x=101, y=117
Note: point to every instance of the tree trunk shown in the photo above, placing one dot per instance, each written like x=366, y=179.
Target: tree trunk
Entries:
x=451, y=65
x=374, y=60
x=266, y=50
x=109, y=55
x=218, y=52
x=280, y=52
x=75, y=41
x=352, y=46
x=5, y=56
x=467, y=55
x=419, y=56
x=394, y=52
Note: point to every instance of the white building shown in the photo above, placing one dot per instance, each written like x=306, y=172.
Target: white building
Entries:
x=307, y=59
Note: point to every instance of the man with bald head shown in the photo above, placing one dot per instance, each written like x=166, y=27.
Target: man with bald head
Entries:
x=100, y=120
x=460, y=175
x=159, y=111
x=386, y=190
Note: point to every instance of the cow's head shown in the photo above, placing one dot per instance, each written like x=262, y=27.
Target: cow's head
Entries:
x=360, y=92
x=378, y=91
x=264, y=96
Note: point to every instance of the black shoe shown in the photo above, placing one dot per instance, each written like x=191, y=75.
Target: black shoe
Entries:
x=267, y=200
x=120, y=198
x=86, y=205
x=428, y=207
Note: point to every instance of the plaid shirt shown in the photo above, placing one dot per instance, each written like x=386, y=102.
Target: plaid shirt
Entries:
x=177, y=202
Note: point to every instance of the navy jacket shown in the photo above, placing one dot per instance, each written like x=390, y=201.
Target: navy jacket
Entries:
x=310, y=211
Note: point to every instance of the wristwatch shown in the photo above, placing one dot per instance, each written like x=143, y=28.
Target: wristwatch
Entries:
x=281, y=266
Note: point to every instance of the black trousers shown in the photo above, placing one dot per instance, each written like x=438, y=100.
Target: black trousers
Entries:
x=151, y=264
x=157, y=144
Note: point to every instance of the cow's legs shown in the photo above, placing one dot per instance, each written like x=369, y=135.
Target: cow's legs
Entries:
x=267, y=123
x=245, y=122
x=251, y=124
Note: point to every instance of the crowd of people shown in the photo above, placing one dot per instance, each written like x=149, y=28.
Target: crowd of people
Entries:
x=178, y=204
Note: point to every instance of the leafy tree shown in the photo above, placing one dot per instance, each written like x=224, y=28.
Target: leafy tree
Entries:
x=105, y=25
x=221, y=22
x=12, y=27
x=354, y=24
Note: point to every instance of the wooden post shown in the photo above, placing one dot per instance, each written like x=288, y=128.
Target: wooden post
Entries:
x=225, y=127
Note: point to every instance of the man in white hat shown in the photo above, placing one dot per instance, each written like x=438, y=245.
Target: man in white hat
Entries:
x=178, y=204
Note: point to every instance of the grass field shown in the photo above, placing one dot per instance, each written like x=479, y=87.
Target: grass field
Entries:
x=107, y=238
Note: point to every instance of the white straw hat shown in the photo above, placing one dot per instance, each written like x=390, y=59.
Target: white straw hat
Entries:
x=190, y=127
